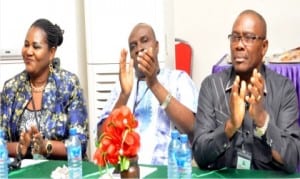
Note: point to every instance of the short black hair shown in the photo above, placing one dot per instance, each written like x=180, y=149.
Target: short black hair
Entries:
x=53, y=32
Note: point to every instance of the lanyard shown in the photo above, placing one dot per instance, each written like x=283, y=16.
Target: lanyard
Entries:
x=137, y=101
x=35, y=115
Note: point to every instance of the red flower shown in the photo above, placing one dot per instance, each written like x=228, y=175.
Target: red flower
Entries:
x=131, y=144
x=118, y=140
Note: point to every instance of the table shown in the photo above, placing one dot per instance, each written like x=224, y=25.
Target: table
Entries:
x=290, y=70
x=43, y=170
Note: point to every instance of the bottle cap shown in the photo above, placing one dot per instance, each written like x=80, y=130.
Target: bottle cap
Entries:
x=183, y=138
x=73, y=131
x=174, y=134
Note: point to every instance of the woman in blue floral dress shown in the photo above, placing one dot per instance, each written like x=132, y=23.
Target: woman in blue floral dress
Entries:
x=40, y=104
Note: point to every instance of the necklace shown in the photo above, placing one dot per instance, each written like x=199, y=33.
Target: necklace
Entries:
x=37, y=89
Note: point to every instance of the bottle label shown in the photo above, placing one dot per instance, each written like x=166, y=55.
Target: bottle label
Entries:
x=3, y=155
x=183, y=159
x=75, y=152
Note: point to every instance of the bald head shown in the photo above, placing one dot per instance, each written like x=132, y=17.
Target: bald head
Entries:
x=142, y=25
x=259, y=19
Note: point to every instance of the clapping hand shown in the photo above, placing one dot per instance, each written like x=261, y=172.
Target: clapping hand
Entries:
x=253, y=94
x=24, y=142
x=148, y=65
x=37, y=141
x=256, y=96
x=31, y=138
x=126, y=74
x=237, y=102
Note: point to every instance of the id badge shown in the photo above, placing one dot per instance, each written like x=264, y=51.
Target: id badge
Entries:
x=243, y=160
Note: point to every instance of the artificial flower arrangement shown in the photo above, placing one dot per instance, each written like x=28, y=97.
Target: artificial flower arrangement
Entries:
x=118, y=141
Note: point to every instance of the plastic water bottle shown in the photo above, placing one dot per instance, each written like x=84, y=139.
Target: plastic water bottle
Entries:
x=3, y=157
x=172, y=150
x=74, y=155
x=184, y=158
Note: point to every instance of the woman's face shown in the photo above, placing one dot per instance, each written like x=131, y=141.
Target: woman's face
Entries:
x=36, y=53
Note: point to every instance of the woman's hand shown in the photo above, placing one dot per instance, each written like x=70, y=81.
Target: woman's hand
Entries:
x=32, y=138
x=24, y=142
x=37, y=141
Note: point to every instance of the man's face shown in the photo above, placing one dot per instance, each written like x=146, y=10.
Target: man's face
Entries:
x=140, y=39
x=247, y=43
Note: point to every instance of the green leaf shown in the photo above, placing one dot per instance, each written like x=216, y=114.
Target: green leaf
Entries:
x=97, y=143
x=124, y=164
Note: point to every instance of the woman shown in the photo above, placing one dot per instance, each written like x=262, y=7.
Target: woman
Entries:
x=41, y=104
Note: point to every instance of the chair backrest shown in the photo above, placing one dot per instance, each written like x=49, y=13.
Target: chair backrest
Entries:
x=183, y=56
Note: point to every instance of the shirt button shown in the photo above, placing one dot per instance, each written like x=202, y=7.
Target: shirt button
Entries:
x=225, y=145
x=247, y=133
x=270, y=142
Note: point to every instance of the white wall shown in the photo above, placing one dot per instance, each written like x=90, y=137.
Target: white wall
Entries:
x=16, y=16
x=109, y=22
x=205, y=24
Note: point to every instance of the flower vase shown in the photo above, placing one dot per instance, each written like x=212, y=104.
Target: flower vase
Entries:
x=134, y=169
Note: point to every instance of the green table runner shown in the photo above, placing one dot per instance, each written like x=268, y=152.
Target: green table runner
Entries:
x=226, y=173
x=44, y=169
x=90, y=170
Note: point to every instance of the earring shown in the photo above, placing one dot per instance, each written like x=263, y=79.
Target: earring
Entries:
x=51, y=69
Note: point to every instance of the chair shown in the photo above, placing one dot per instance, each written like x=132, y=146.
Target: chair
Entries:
x=183, y=56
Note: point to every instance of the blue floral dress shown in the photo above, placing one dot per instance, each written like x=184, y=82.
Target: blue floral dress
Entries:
x=63, y=106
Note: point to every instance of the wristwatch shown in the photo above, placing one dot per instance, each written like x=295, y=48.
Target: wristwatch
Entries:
x=49, y=148
x=166, y=102
x=260, y=131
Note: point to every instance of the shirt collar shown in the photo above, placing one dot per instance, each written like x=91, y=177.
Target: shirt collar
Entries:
x=231, y=79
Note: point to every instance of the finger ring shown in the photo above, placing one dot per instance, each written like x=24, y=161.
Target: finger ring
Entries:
x=258, y=98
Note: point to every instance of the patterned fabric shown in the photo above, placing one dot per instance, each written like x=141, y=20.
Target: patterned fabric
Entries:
x=32, y=118
x=154, y=124
x=63, y=106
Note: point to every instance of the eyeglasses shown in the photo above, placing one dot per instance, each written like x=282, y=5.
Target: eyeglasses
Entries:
x=247, y=39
